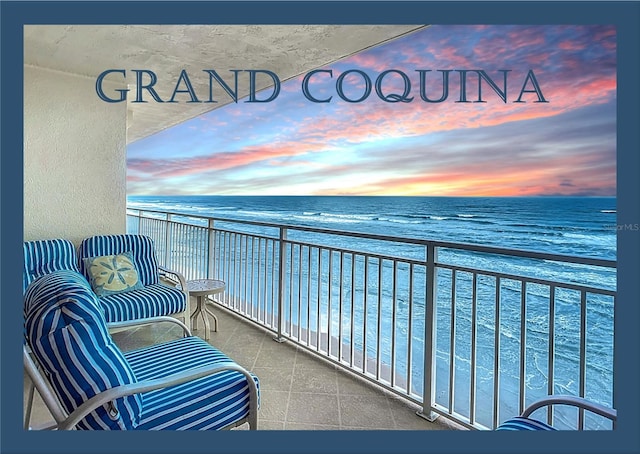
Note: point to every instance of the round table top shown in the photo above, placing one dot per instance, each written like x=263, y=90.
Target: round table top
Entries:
x=205, y=287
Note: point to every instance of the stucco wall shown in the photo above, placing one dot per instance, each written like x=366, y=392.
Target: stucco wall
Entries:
x=74, y=158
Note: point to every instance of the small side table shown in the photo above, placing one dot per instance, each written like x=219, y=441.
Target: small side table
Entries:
x=200, y=288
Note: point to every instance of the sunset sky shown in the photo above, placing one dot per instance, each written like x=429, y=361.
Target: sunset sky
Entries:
x=292, y=145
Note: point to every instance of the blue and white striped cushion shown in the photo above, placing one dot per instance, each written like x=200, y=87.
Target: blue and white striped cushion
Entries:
x=521, y=423
x=141, y=247
x=46, y=256
x=66, y=331
x=151, y=301
x=209, y=403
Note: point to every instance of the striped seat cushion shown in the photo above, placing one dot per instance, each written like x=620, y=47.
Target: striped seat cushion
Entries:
x=521, y=423
x=209, y=403
x=151, y=301
x=141, y=247
x=67, y=333
x=46, y=256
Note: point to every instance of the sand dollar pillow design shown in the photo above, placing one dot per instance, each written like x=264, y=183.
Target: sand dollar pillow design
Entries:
x=111, y=274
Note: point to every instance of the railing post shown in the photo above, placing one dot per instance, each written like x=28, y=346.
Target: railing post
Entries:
x=429, y=324
x=281, y=275
x=167, y=242
x=139, y=221
x=211, y=249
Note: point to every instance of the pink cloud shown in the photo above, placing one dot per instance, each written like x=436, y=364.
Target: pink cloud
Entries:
x=367, y=61
x=219, y=161
x=571, y=46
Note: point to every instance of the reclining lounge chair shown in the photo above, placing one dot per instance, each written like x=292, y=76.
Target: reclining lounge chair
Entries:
x=526, y=421
x=87, y=383
x=145, y=297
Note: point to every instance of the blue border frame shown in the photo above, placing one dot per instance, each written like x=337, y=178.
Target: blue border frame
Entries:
x=625, y=15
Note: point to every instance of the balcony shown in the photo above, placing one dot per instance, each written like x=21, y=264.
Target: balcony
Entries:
x=296, y=313
x=373, y=323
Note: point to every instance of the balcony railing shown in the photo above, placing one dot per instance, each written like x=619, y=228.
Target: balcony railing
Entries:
x=468, y=332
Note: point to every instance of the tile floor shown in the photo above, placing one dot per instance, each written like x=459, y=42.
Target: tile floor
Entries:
x=299, y=391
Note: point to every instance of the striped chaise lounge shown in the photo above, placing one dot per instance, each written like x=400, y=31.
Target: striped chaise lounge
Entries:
x=87, y=383
x=42, y=257
x=526, y=422
x=152, y=298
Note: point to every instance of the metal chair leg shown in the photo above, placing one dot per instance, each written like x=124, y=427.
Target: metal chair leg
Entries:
x=27, y=413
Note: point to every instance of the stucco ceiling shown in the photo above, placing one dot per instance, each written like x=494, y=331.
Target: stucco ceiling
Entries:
x=166, y=50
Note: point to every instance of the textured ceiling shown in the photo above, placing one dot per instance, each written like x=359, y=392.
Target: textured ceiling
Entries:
x=286, y=50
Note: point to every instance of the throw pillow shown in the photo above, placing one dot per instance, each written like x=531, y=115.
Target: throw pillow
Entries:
x=111, y=274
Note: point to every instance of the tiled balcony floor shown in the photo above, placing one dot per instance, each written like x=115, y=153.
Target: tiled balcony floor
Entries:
x=298, y=390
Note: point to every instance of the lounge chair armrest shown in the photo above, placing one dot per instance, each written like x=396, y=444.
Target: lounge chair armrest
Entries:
x=574, y=401
x=150, y=385
x=166, y=271
x=183, y=286
x=150, y=321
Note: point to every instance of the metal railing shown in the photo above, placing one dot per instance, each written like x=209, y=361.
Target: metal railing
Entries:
x=439, y=323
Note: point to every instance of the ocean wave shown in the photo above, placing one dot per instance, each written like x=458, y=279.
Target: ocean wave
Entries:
x=466, y=215
x=608, y=211
x=584, y=237
x=256, y=212
x=354, y=218
x=359, y=217
x=421, y=216
x=340, y=220
x=476, y=222
x=546, y=228
x=532, y=231
x=397, y=221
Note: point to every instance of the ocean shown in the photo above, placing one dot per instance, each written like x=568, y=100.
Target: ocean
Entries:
x=583, y=226
x=576, y=226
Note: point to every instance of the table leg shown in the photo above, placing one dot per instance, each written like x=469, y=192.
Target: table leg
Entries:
x=196, y=312
x=203, y=311
x=215, y=319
